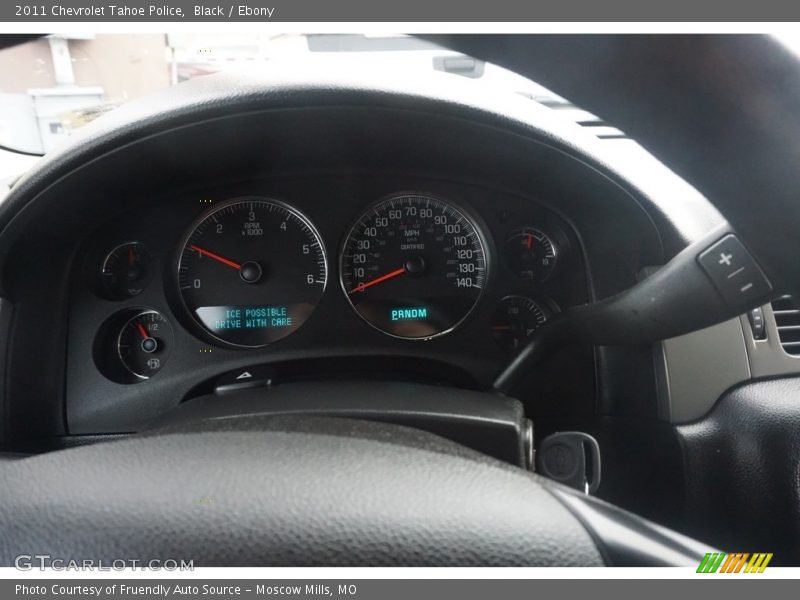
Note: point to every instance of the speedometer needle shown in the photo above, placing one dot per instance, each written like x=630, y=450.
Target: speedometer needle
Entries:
x=217, y=257
x=364, y=285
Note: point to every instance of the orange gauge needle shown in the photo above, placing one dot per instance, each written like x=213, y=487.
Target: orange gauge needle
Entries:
x=364, y=285
x=142, y=331
x=216, y=257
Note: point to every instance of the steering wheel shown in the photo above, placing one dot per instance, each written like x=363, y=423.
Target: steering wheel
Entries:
x=255, y=490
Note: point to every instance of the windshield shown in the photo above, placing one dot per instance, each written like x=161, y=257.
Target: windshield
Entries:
x=52, y=85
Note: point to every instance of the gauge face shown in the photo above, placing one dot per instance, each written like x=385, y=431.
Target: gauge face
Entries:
x=126, y=271
x=531, y=254
x=252, y=271
x=144, y=343
x=515, y=319
x=413, y=266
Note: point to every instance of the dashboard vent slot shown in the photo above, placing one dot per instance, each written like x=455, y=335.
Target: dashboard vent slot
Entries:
x=787, y=318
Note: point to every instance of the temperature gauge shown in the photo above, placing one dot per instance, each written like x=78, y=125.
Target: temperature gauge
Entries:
x=515, y=319
x=531, y=254
x=126, y=271
x=144, y=343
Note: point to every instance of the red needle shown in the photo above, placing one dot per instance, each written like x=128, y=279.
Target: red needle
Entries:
x=529, y=241
x=142, y=331
x=362, y=286
x=216, y=257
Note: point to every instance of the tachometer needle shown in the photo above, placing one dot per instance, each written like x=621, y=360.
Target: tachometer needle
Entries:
x=364, y=285
x=216, y=257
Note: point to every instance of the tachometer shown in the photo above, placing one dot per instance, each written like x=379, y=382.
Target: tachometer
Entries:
x=413, y=266
x=251, y=271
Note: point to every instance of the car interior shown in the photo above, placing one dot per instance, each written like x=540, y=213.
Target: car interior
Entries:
x=300, y=319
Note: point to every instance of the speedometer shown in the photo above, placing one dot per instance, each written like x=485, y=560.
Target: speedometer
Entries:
x=413, y=266
x=251, y=271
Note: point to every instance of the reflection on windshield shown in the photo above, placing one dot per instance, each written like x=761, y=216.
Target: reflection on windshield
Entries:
x=52, y=85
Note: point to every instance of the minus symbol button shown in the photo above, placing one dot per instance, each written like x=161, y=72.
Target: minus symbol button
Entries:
x=736, y=272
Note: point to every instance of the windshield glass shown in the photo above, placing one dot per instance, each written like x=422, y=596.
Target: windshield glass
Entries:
x=52, y=85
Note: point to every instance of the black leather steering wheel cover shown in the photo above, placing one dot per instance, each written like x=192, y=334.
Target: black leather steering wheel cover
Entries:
x=311, y=491
x=286, y=491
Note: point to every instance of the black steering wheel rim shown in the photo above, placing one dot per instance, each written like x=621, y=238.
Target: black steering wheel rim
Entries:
x=720, y=110
x=299, y=490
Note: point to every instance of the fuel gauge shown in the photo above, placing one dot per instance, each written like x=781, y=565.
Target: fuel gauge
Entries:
x=144, y=343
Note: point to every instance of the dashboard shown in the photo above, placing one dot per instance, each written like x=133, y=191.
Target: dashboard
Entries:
x=231, y=234
x=442, y=283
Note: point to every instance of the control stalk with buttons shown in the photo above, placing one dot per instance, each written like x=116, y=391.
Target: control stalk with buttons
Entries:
x=710, y=281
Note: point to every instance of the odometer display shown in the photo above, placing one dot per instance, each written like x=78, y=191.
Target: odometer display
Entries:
x=413, y=266
x=251, y=271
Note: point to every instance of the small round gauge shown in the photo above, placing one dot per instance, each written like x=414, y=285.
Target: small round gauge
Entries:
x=515, y=319
x=531, y=254
x=413, y=266
x=126, y=271
x=144, y=343
x=251, y=271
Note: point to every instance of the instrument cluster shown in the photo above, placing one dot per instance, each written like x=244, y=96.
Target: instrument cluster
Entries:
x=252, y=269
